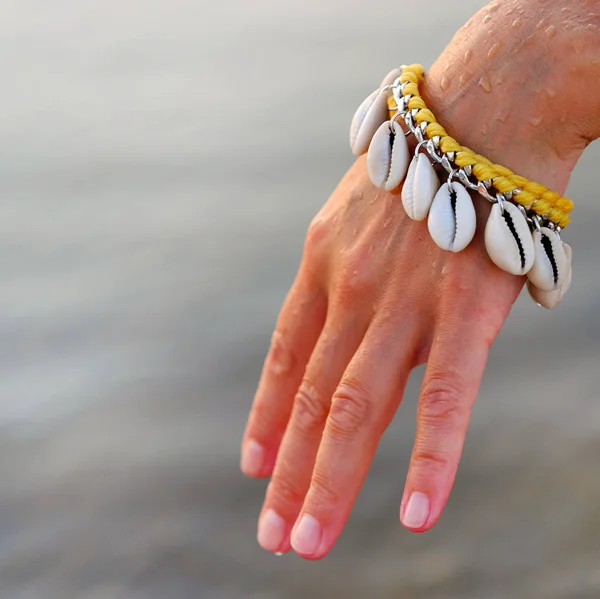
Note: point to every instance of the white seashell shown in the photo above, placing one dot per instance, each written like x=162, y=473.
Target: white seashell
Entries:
x=508, y=240
x=388, y=156
x=391, y=77
x=452, y=220
x=550, y=299
x=550, y=265
x=368, y=118
x=420, y=187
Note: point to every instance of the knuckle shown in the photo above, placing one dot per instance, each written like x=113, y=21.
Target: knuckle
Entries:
x=431, y=461
x=317, y=236
x=457, y=283
x=356, y=277
x=351, y=410
x=322, y=492
x=441, y=403
x=310, y=410
x=283, y=492
x=281, y=359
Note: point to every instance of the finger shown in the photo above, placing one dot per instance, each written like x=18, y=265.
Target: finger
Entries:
x=298, y=327
x=291, y=478
x=362, y=407
x=452, y=379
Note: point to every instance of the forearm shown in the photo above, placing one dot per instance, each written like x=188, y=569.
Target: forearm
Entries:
x=534, y=67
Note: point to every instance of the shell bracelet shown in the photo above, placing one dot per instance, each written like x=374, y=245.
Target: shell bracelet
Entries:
x=522, y=234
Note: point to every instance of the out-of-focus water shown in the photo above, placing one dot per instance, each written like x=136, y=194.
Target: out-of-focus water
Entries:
x=159, y=163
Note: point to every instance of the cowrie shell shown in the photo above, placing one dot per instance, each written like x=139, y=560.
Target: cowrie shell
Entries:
x=388, y=156
x=368, y=118
x=550, y=299
x=550, y=264
x=508, y=240
x=419, y=188
x=452, y=220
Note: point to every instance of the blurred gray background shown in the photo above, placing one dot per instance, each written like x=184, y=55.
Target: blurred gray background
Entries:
x=159, y=164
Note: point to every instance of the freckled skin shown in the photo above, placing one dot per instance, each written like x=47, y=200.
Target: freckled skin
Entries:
x=374, y=296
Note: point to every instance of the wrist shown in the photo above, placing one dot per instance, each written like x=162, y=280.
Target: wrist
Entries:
x=517, y=86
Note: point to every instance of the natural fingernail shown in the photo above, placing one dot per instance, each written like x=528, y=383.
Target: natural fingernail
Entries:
x=253, y=458
x=306, y=536
x=271, y=531
x=416, y=511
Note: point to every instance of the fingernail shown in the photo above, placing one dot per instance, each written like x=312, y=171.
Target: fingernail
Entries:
x=253, y=458
x=416, y=511
x=306, y=536
x=271, y=531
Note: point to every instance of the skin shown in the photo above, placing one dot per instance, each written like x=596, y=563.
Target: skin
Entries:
x=374, y=296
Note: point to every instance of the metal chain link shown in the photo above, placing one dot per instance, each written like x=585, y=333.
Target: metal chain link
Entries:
x=446, y=160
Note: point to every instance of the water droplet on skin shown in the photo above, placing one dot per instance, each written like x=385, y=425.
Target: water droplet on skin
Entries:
x=494, y=50
x=493, y=7
x=464, y=78
x=468, y=56
x=445, y=83
x=484, y=82
x=503, y=116
x=536, y=120
x=592, y=27
x=499, y=80
x=551, y=31
x=542, y=24
x=487, y=19
x=516, y=22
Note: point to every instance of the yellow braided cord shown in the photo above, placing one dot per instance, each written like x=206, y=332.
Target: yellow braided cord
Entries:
x=533, y=196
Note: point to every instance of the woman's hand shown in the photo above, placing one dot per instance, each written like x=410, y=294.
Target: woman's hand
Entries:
x=374, y=297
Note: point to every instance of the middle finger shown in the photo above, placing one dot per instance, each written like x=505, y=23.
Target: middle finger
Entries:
x=362, y=407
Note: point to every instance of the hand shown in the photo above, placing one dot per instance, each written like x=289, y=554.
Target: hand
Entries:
x=374, y=297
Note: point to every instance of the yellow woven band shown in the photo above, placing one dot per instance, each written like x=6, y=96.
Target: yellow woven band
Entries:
x=530, y=195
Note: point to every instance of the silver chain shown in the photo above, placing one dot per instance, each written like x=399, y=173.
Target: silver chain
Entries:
x=446, y=160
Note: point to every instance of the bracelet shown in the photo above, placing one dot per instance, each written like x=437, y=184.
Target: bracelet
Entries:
x=522, y=234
